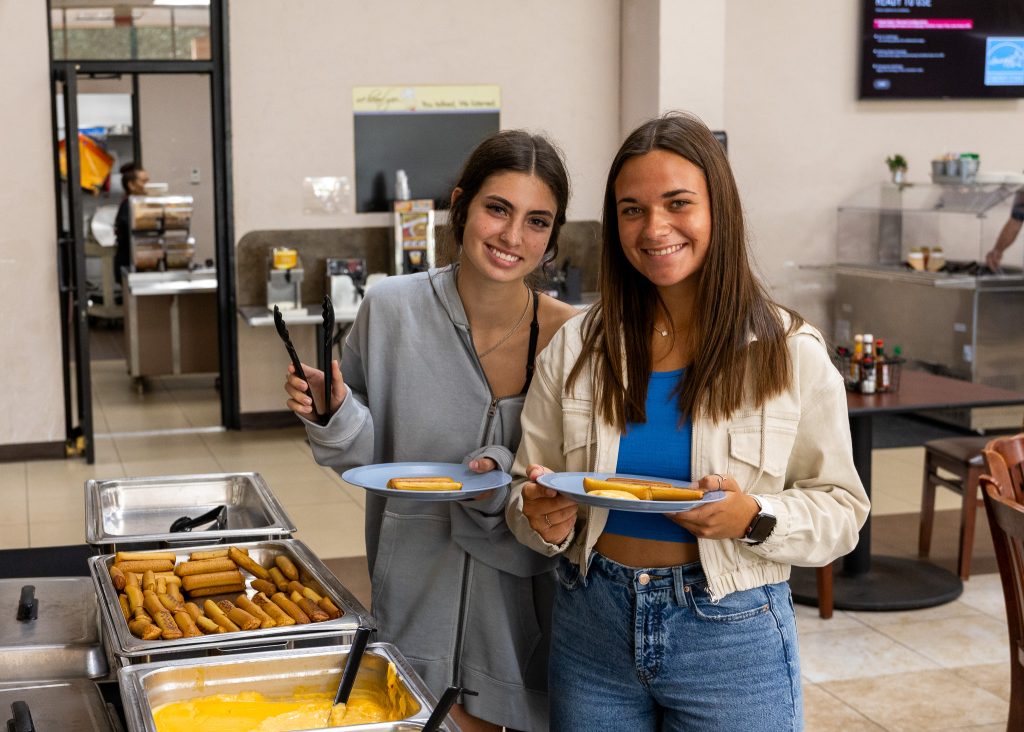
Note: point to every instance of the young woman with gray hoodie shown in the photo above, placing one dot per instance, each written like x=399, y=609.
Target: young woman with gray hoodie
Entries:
x=436, y=368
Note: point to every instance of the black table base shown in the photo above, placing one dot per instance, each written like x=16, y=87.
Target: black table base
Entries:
x=892, y=583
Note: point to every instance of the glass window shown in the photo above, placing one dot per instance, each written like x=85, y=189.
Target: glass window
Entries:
x=140, y=30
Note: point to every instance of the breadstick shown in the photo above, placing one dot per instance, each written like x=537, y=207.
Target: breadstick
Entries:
x=169, y=603
x=192, y=609
x=117, y=577
x=204, y=566
x=287, y=567
x=149, y=580
x=306, y=592
x=278, y=579
x=135, y=598
x=144, y=556
x=168, y=577
x=141, y=565
x=125, y=607
x=268, y=588
x=211, y=554
x=213, y=579
x=329, y=607
x=280, y=616
x=208, y=626
x=248, y=564
x=217, y=590
x=293, y=610
x=144, y=629
x=238, y=616
x=186, y=625
x=217, y=615
x=314, y=613
x=168, y=628
x=256, y=611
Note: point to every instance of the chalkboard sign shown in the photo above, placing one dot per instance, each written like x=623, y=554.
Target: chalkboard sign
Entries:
x=426, y=131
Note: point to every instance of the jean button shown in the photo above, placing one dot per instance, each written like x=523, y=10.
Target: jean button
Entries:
x=644, y=578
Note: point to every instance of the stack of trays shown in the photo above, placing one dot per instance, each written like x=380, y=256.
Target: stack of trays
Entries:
x=137, y=513
x=51, y=649
x=127, y=649
x=281, y=676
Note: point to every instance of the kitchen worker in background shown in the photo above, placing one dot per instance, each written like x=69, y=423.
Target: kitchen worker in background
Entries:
x=1009, y=233
x=436, y=368
x=133, y=181
x=684, y=369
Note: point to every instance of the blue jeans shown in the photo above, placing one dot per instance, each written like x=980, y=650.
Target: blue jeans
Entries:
x=647, y=649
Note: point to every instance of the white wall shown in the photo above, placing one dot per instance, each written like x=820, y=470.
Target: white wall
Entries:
x=177, y=136
x=800, y=142
x=31, y=399
x=293, y=67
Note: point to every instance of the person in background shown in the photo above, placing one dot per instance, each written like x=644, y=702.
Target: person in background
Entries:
x=436, y=368
x=1008, y=234
x=133, y=181
x=685, y=369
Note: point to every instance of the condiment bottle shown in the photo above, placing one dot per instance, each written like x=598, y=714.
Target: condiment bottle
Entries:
x=858, y=354
x=881, y=367
x=867, y=383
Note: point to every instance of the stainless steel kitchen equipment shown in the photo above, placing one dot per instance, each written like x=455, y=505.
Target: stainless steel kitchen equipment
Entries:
x=68, y=705
x=137, y=513
x=277, y=675
x=50, y=629
x=346, y=281
x=961, y=321
x=126, y=649
x=284, y=288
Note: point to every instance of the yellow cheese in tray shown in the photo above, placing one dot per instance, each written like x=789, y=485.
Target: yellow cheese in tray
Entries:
x=438, y=483
x=643, y=490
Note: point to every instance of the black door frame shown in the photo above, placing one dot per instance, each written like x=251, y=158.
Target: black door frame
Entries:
x=224, y=231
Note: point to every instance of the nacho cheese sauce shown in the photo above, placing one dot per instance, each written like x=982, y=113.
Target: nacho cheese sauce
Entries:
x=253, y=712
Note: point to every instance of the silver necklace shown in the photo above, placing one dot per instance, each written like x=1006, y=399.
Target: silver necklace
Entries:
x=511, y=330
x=664, y=332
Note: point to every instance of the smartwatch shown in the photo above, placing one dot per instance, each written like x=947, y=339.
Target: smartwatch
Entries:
x=762, y=526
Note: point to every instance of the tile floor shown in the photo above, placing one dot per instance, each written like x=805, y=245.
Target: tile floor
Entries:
x=944, y=668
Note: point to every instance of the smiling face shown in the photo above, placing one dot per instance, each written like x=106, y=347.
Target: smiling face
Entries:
x=508, y=226
x=664, y=217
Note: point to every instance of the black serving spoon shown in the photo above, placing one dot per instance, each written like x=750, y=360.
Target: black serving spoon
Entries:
x=440, y=713
x=348, y=674
x=282, y=330
x=187, y=523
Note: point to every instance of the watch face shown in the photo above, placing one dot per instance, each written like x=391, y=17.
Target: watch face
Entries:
x=761, y=528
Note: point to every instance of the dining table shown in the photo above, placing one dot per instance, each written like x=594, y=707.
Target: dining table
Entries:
x=866, y=581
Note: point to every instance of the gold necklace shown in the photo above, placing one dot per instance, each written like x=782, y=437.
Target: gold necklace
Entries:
x=663, y=332
x=512, y=330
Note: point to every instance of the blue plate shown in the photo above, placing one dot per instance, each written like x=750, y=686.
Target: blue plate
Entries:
x=571, y=484
x=374, y=478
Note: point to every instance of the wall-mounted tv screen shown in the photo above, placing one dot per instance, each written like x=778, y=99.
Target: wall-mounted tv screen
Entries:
x=938, y=49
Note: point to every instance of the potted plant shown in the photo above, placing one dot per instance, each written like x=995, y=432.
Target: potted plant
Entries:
x=898, y=167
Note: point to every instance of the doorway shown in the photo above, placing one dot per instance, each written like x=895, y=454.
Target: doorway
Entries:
x=154, y=352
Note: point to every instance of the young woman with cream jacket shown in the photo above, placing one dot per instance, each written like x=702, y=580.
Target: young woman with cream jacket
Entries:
x=685, y=369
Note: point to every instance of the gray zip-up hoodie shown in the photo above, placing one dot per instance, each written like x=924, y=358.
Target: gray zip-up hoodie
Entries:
x=464, y=601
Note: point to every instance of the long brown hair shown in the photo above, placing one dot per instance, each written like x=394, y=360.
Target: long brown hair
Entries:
x=726, y=362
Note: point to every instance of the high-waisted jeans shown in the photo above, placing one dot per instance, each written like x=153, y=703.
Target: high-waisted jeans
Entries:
x=647, y=649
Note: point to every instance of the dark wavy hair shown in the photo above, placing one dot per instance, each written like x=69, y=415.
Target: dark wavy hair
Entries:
x=129, y=173
x=732, y=305
x=517, y=151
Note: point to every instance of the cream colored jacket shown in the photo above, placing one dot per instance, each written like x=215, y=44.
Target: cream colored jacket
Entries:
x=794, y=453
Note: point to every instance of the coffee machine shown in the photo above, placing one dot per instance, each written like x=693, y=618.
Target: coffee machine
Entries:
x=284, y=280
x=346, y=281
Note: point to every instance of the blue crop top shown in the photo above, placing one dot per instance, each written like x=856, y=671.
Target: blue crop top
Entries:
x=659, y=448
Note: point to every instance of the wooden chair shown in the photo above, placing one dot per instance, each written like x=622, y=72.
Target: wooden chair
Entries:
x=1006, y=520
x=962, y=457
x=1004, y=458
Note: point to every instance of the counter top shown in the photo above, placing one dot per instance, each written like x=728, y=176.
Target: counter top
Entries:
x=260, y=315
x=895, y=273
x=172, y=282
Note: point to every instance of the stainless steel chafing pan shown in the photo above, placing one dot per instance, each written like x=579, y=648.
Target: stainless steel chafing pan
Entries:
x=138, y=512
x=127, y=649
x=276, y=675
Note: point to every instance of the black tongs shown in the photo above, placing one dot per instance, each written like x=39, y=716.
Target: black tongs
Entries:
x=326, y=346
x=187, y=523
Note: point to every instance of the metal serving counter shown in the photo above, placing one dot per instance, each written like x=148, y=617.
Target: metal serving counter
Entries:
x=171, y=322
